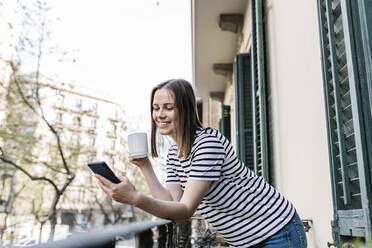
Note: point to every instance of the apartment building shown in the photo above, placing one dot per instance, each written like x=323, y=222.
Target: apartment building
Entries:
x=91, y=128
x=98, y=127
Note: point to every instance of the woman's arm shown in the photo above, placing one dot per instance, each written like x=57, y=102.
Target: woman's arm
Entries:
x=180, y=211
x=177, y=211
x=157, y=190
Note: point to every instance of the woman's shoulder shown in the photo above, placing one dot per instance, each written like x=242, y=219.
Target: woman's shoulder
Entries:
x=203, y=133
x=206, y=131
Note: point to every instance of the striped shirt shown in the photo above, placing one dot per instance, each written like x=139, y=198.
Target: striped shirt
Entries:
x=240, y=205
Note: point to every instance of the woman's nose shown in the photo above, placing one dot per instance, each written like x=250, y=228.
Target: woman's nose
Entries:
x=161, y=113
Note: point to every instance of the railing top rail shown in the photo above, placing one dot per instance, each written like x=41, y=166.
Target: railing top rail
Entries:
x=101, y=236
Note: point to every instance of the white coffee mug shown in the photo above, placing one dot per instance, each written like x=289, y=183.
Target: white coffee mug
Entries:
x=137, y=145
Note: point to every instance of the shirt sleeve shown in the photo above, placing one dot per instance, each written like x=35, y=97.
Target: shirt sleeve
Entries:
x=172, y=175
x=207, y=160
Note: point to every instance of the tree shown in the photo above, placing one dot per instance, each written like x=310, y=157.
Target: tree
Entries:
x=22, y=144
x=24, y=148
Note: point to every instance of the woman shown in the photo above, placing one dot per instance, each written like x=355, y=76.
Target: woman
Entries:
x=204, y=174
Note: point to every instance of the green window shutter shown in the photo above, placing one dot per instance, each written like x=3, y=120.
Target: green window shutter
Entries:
x=199, y=106
x=260, y=131
x=244, y=101
x=344, y=77
x=225, y=122
x=251, y=100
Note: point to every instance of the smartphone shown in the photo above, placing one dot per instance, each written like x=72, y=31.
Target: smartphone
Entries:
x=101, y=168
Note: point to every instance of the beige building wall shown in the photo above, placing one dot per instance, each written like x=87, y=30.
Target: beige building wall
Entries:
x=205, y=105
x=229, y=100
x=302, y=163
x=211, y=112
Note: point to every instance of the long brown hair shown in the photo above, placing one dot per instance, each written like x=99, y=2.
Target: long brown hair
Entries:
x=188, y=121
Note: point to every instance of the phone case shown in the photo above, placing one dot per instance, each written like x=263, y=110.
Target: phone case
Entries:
x=101, y=168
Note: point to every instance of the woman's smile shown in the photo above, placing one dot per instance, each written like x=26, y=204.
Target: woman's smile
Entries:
x=163, y=124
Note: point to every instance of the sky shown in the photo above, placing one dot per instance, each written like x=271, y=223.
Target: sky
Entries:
x=122, y=48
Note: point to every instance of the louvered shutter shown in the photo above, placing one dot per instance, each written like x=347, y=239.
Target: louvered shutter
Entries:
x=261, y=162
x=244, y=101
x=225, y=122
x=347, y=138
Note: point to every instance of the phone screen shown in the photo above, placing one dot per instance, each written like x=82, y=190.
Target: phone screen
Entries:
x=101, y=168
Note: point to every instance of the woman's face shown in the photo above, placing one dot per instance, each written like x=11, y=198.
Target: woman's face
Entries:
x=164, y=112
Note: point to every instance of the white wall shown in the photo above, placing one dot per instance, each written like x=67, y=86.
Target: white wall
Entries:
x=302, y=167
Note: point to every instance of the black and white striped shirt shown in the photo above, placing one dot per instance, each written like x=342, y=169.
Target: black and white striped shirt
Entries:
x=239, y=204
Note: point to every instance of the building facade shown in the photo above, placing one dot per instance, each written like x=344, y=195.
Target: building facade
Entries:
x=98, y=127
x=90, y=128
x=290, y=83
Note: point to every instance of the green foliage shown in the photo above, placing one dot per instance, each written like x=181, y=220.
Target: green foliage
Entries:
x=25, y=143
x=354, y=242
x=17, y=131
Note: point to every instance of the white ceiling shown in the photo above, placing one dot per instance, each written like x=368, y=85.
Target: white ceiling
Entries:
x=210, y=44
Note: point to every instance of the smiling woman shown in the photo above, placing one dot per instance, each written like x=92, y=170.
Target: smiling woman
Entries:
x=164, y=113
x=179, y=120
x=204, y=174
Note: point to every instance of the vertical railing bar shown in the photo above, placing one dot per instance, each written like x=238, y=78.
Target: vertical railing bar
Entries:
x=262, y=88
x=356, y=112
x=162, y=236
x=331, y=136
x=340, y=129
x=169, y=229
x=254, y=93
x=172, y=236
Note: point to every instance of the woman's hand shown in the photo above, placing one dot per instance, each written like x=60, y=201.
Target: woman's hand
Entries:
x=141, y=162
x=123, y=192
